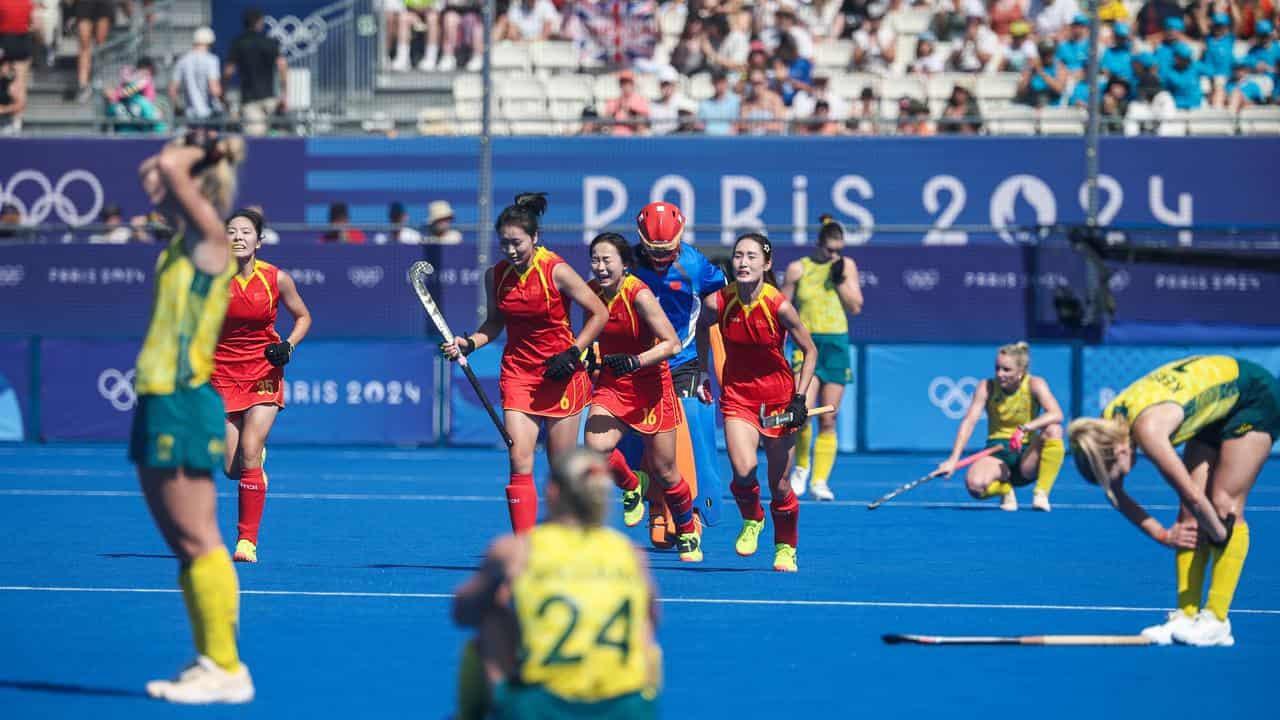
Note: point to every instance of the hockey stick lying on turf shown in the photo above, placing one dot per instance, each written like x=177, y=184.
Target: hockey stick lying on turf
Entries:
x=962, y=463
x=781, y=418
x=893, y=639
x=418, y=274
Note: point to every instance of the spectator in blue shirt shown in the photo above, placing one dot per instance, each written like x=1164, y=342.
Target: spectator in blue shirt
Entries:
x=1117, y=60
x=1182, y=79
x=1080, y=93
x=1264, y=54
x=1146, y=78
x=1044, y=79
x=1243, y=89
x=1219, y=48
x=719, y=112
x=1174, y=28
x=1073, y=52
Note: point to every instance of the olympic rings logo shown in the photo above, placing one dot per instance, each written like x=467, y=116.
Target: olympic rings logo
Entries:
x=952, y=397
x=298, y=37
x=12, y=275
x=365, y=276
x=921, y=280
x=117, y=388
x=52, y=197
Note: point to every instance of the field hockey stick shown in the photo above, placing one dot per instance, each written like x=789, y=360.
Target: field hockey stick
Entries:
x=1113, y=640
x=418, y=274
x=783, y=418
x=959, y=464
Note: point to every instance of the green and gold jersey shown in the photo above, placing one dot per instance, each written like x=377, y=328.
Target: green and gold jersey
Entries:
x=817, y=302
x=1205, y=386
x=583, y=608
x=186, y=320
x=1007, y=411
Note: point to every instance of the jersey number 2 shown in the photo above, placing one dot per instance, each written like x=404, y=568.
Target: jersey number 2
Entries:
x=557, y=655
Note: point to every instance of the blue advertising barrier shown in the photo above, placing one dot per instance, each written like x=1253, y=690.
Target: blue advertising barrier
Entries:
x=15, y=389
x=917, y=394
x=335, y=392
x=86, y=388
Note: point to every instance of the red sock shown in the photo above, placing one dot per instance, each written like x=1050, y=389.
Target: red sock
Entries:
x=253, y=495
x=622, y=475
x=522, y=502
x=748, y=500
x=680, y=500
x=786, y=519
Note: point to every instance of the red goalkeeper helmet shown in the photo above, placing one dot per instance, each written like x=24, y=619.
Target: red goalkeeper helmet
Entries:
x=661, y=225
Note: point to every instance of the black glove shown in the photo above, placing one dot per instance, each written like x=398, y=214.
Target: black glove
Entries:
x=561, y=365
x=837, y=271
x=466, y=346
x=591, y=362
x=798, y=410
x=278, y=354
x=1229, y=522
x=621, y=364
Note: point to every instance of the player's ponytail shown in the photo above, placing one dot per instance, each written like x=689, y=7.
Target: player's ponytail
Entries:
x=1020, y=352
x=523, y=213
x=831, y=230
x=766, y=248
x=1093, y=447
x=585, y=485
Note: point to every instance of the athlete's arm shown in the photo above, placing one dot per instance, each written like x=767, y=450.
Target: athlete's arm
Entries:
x=1052, y=414
x=711, y=279
x=790, y=320
x=595, y=313
x=290, y=298
x=965, y=431
x=668, y=342
x=789, y=280
x=211, y=250
x=1151, y=432
x=479, y=593
x=850, y=290
x=708, y=317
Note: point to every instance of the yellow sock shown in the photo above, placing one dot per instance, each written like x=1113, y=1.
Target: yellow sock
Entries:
x=1191, y=565
x=803, y=438
x=1228, y=563
x=473, y=690
x=212, y=594
x=1051, y=455
x=824, y=456
x=997, y=488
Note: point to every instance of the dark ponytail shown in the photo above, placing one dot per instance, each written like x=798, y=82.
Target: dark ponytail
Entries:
x=831, y=230
x=253, y=216
x=766, y=247
x=523, y=213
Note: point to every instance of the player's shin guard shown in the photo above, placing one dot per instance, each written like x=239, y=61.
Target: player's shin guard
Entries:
x=623, y=477
x=680, y=501
x=522, y=502
x=1051, y=456
x=253, y=496
x=803, y=438
x=786, y=519
x=824, y=456
x=748, y=499
x=212, y=595
x=1228, y=563
x=1191, y=565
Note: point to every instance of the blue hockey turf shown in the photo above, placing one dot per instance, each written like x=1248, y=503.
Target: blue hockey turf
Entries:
x=347, y=613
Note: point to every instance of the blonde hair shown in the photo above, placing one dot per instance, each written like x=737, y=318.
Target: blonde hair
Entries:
x=218, y=182
x=1093, y=447
x=585, y=485
x=1019, y=351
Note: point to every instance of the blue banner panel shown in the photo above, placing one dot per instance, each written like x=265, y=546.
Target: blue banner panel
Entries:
x=366, y=392
x=917, y=394
x=15, y=389
x=86, y=388
x=97, y=290
x=469, y=422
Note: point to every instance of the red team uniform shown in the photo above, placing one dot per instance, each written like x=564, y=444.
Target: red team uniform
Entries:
x=644, y=399
x=537, y=323
x=755, y=370
x=241, y=373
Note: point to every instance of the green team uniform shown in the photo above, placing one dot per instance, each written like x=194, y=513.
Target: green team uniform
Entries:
x=823, y=314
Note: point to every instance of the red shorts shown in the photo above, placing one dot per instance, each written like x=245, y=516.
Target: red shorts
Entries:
x=733, y=406
x=536, y=395
x=649, y=410
x=240, y=395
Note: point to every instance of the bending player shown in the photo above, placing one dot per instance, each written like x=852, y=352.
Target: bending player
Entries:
x=757, y=382
x=248, y=370
x=1227, y=412
x=564, y=614
x=680, y=277
x=633, y=389
x=824, y=288
x=1024, y=421
x=542, y=379
x=177, y=435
